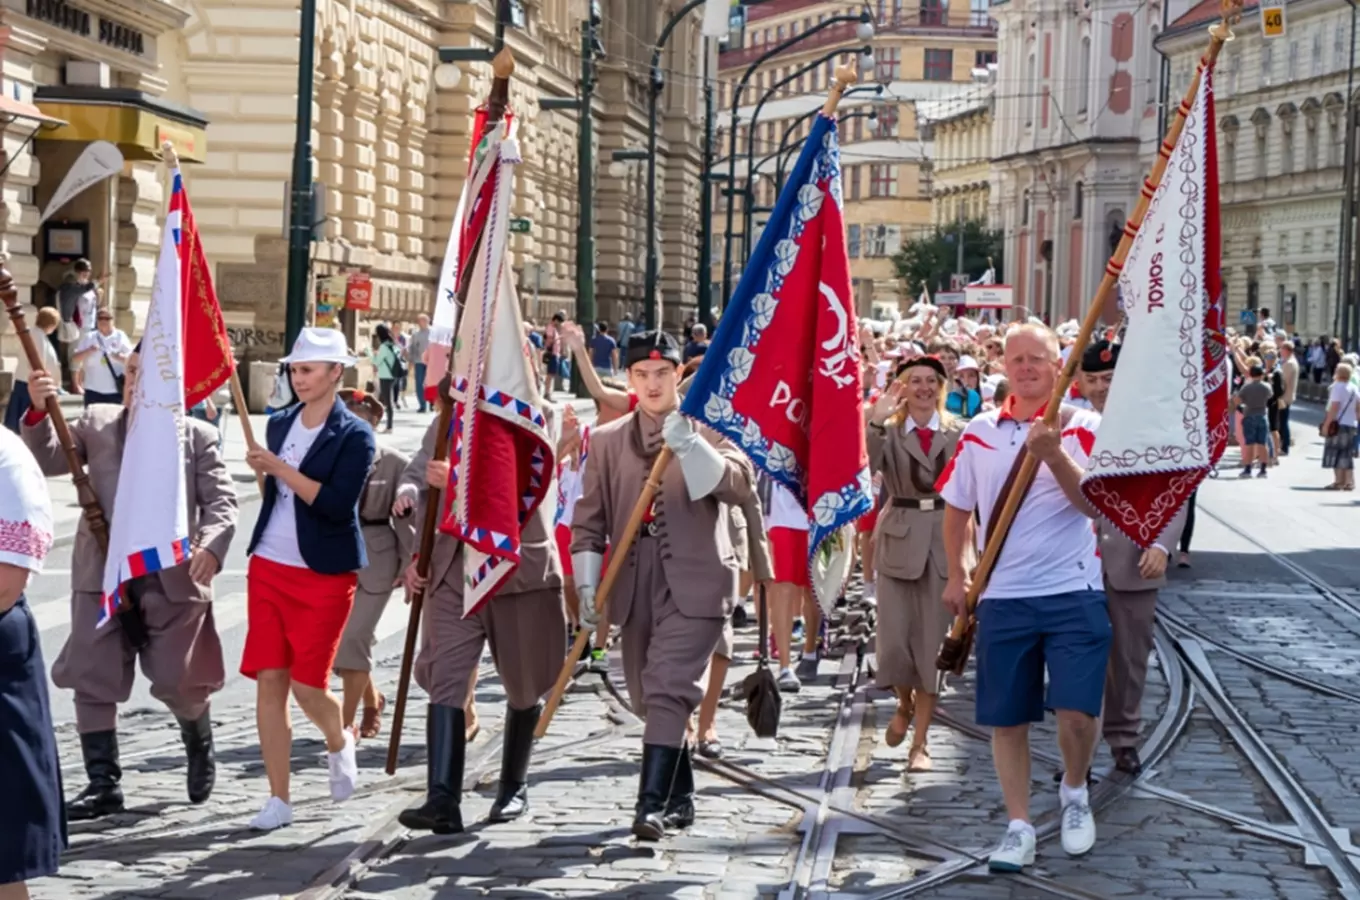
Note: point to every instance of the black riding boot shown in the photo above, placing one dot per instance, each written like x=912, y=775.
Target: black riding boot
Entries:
x=198, y=748
x=658, y=773
x=512, y=797
x=103, y=796
x=445, y=745
x=680, y=806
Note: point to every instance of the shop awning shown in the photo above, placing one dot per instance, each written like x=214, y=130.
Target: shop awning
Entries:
x=12, y=110
x=136, y=122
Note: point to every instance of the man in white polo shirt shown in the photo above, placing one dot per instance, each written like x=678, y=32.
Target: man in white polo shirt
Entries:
x=1043, y=606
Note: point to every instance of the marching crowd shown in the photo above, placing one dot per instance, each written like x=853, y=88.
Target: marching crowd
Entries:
x=951, y=407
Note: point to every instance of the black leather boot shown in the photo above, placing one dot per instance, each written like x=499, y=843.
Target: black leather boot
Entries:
x=658, y=773
x=512, y=797
x=103, y=796
x=680, y=805
x=198, y=749
x=445, y=745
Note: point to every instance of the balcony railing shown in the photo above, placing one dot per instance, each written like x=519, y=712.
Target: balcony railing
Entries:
x=844, y=33
x=932, y=21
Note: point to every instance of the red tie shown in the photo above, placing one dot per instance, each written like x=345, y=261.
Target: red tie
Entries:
x=925, y=434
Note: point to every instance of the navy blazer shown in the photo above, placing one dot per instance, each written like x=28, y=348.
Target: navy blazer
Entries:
x=328, y=532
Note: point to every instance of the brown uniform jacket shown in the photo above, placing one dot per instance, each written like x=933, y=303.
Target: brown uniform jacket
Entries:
x=1119, y=556
x=98, y=435
x=386, y=540
x=905, y=539
x=539, y=566
x=696, y=544
x=749, y=518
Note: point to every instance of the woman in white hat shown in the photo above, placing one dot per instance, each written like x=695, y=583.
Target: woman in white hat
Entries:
x=304, y=558
x=964, y=399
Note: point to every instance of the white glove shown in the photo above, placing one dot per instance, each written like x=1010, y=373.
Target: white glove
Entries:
x=700, y=462
x=586, y=567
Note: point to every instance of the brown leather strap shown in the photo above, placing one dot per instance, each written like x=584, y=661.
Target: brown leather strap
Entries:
x=1064, y=418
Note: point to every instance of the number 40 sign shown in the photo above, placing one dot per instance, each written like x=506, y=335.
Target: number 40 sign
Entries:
x=1272, y=20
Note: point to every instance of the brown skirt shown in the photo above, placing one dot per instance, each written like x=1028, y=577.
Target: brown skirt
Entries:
x=912, y=622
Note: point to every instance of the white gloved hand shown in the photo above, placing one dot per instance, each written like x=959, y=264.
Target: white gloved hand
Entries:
x=700, y=462
x=586, y=567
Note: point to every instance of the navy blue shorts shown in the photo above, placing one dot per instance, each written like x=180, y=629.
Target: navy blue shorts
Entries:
x=1255, y=430
x=1018, y=636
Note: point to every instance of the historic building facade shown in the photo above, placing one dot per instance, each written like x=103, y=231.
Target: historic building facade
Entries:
x=918, y=53
x=959, y=130
x=1077, y=101
x=1281, y=109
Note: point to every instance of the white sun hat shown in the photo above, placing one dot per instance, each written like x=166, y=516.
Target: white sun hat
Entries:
x=320, y=345
x=967, y=362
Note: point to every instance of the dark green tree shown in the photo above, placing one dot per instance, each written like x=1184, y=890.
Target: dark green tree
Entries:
x=932, y=258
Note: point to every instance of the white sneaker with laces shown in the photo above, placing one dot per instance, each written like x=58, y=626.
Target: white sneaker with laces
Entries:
x=1015, y=852
x=344, y=769
x=274, y=814
x=1078, y=828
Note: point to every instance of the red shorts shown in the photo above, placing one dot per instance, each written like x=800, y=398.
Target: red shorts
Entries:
x=865, y=524
x=295, y=619
x=563, y=535
x=789, y=547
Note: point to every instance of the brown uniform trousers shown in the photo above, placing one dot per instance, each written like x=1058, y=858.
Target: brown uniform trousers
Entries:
x=752, y=548
x=387, y=542
x=183, y=658
x=678, y=584
x=525, y=622
x=1133, y=612
x=909, y=555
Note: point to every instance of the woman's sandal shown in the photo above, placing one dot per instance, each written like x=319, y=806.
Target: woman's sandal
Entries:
x=371, y=725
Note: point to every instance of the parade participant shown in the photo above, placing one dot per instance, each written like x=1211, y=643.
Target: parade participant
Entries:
x=605, y=391
x=1132, y=578
x=387, y=542
x=787, y=524
x=174, y=636
x=679, y=582
x=304, y=558
x=1043, y=607
x=34, y=830
x=910, y=438
x=524, y=623
x=46, y=323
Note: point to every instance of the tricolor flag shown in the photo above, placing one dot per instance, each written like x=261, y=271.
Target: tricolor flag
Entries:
x=150, y=527
x=469, y=220
x=208, y=362
x=500, y=453
x=781, y=378
x=1166, y=420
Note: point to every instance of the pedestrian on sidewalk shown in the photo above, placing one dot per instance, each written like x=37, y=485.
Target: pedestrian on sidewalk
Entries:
x=33, y=830
x=387, y=541
x=101, y=355
x=416, y=348
x=168, y=628
x=387, y=360
x=1339, y=429
x=1254, y=398
x=46, y=322
x=304, y=558
x=1289, y=368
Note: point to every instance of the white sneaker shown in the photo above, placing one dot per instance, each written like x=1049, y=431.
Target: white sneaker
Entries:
x=275, y=814
x=1016, y=851
x=344, y=769
x=1078, y=828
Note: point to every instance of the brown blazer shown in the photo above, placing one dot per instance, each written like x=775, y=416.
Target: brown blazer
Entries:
x=539, y=566
x=905, y=539
x=98, y=435
x=386, y=540
x=1119, y=556
x=758, y=560
x=698, y=559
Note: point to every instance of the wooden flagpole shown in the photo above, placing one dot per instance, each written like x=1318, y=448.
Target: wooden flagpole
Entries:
x=503, y=66
x=845, y=76
x=238, y=396
x=85, y=495
x=956, y=647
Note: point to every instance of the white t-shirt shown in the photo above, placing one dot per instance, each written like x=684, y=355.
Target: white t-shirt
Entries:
x=98, y=377
x=50, y=361
x=571, y=482
x=1051, y=548
x=1346, y=396
x=785, y=511
x=279, y=541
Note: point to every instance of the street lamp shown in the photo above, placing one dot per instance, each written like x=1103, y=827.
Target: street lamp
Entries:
x=448, y=74
x=865, y=20
x=773, y=89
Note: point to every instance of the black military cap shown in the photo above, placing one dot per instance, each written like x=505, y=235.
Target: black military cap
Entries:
x=1100, y=356
x=652, y=345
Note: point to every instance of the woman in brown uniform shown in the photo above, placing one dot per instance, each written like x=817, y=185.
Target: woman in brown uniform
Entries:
x=911, y=439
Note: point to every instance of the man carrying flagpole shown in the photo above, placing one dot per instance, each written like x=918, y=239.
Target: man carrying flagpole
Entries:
x=162, y=481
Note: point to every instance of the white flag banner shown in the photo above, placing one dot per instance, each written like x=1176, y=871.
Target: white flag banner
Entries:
x=150, y=527
x=716, y=18
x=99, y=161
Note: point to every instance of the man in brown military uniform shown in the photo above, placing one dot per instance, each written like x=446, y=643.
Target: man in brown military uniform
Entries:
x=1132, y=578
x=679, y=581
x=524, y=623
x=181, y=653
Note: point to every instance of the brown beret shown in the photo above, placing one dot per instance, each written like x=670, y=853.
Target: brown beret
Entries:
x=362, y=401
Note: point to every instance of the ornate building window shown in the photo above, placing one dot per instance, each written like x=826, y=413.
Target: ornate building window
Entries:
x=1024, y=208
x=887, y=64
x=939, y=65
x=1316, y=69
x=1267, y=64
x=883, y=181
x=1287, y=113
x=1078, y=199
x=1261, y=120
x=1311, y=111
x=1228, y=163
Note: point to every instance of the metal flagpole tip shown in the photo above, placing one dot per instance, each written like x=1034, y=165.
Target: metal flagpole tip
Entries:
x=504, y=64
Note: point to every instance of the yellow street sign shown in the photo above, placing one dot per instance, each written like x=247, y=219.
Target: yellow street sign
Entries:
x=1272, y=21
